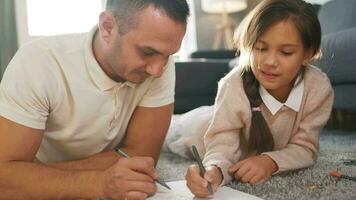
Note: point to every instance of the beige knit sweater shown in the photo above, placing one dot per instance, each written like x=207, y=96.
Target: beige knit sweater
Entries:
x=296, y=134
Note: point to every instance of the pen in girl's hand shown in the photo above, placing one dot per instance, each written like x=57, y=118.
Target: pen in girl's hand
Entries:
x=201, y=167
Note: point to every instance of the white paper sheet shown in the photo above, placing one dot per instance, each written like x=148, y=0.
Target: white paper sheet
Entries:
x=181, y=192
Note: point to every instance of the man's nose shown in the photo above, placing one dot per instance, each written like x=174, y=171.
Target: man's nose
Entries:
x=156, y=69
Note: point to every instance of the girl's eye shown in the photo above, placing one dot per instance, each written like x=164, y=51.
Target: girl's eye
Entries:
x=287, y=53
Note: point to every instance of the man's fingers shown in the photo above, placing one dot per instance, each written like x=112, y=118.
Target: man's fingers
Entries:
x=140, y=186
x=138, y=176
x=135, y=195
x=141, y=164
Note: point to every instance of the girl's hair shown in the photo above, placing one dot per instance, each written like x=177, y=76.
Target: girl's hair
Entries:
x=267, y=13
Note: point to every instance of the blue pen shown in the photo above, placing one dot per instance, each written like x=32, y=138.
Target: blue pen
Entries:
x=201, y=167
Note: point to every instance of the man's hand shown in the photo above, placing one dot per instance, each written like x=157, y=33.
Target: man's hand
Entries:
x=198, y=185
x=130, y=178
x=254, y=170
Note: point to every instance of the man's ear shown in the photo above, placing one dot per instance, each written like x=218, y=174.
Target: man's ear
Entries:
x=107, y=25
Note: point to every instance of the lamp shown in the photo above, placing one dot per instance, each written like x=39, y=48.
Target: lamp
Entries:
x=223, y=7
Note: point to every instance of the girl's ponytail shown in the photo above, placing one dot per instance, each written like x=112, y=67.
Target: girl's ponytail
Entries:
x=260, y=139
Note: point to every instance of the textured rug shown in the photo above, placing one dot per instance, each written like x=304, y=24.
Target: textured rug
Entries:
x=336, y=147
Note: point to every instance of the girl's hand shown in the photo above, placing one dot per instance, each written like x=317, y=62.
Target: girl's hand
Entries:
x=199, y=185
x=254, y=170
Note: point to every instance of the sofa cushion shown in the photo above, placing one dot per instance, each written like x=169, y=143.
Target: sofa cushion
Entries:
x=338, y=56
x=197, y=82
x=345, y=97
x=214, y=54
x=337, y=15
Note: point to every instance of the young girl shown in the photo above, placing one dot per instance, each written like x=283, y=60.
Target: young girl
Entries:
x=270, y=109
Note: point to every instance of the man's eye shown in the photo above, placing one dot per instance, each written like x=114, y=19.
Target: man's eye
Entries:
x=147, y=52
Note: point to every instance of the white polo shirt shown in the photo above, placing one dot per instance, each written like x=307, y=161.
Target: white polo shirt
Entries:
x=55, y=84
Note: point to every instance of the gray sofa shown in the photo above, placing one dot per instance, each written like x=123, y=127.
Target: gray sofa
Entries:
x=196, y=82
x=338, y=23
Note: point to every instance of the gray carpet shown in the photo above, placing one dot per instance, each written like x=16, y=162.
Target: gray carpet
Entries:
x=311, y=183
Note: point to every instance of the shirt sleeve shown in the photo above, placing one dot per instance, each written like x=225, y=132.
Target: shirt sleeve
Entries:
x=161, y=91
x=222, y=139
x=303, y=147
x=23, y=92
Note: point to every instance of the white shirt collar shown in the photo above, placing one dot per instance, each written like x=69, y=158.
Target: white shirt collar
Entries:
x=294, y=100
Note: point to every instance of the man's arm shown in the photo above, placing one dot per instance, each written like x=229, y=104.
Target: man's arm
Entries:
x=99, y=161
x=147, y=130
x=19, y=175
x=22, y=178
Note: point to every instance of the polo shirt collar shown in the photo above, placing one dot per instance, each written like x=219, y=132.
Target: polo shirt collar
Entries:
x=96, y=73
x=294, y=100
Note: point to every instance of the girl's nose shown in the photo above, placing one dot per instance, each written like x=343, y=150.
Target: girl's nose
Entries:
x=271, y=59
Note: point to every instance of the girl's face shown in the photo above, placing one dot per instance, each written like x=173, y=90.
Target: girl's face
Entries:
x=277, y=58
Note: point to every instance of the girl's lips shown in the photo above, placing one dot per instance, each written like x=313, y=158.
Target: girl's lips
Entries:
x=269, y=75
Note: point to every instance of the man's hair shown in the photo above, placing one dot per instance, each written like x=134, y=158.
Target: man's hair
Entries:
x=126, y=11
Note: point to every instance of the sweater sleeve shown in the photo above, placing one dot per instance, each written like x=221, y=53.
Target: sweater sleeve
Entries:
x=302, y=149
x=222, y=140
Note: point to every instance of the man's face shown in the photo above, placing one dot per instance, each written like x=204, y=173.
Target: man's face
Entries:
x=144, y=50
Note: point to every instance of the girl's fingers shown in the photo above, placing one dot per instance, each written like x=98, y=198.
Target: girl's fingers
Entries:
x=197, y=190
x=248, y=176
x=256, y=179
x=213, y=176
x=244, y=169
x=263, y=180
x=196, y=183
x=194, y=176
x=235, y=167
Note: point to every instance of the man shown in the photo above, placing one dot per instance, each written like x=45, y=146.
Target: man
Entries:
x=67, y=101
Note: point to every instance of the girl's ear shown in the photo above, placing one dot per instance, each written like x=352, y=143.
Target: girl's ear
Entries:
x=107, y=25
x=308, y=55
